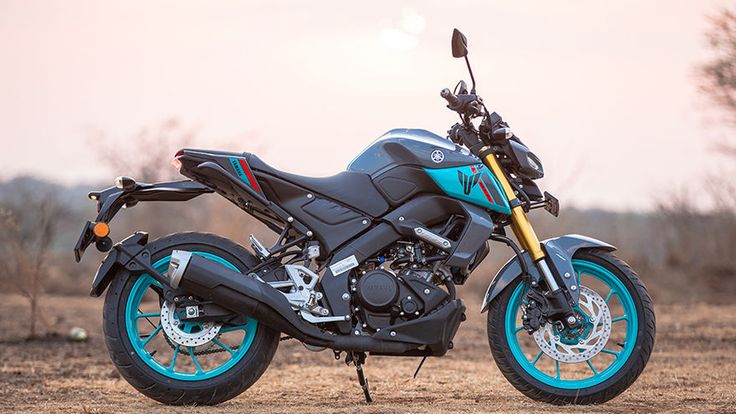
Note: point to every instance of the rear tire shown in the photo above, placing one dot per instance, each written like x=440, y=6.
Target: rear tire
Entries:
x=540, y=387
x=167, y=388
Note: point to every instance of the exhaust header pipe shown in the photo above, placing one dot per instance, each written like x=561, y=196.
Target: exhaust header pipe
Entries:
x=249, y=296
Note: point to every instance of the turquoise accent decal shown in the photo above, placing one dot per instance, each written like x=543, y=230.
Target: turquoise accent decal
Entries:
x=618, y=289
x=238, y=169
x=471, y=183
x=168, y=369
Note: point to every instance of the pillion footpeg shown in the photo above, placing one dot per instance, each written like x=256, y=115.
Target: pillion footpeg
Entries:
x=259, y=248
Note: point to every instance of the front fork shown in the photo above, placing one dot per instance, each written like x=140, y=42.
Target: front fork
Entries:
x=523, y=230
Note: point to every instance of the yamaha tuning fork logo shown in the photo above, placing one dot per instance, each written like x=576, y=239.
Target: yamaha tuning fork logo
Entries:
x=437, y=156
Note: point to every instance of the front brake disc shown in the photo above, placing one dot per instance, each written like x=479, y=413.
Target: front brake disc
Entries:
x=589, y=342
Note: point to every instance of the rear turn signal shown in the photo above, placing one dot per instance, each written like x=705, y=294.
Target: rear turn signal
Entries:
x=101, y=230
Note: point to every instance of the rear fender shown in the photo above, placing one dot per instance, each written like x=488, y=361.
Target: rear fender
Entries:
x=111, y=200
x=129, y=255
x=560, y=251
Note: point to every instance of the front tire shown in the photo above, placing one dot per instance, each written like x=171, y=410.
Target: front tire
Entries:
x=175, y=374
x=542, y=377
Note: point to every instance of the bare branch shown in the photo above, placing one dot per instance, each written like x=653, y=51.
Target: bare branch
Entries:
x=145, y=156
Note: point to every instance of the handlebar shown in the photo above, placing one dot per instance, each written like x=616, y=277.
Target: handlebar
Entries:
x=464, y=104
x=452, y=100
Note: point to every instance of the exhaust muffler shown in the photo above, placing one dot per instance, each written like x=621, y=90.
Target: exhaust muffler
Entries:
x=249, y=296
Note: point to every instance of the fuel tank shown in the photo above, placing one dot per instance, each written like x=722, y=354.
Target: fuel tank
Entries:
x=406, y=162
x=410, y=147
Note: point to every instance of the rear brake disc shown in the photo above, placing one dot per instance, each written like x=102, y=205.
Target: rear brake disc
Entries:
x=187, y=333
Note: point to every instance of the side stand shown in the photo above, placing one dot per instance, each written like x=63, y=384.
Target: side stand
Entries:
x=358, y=358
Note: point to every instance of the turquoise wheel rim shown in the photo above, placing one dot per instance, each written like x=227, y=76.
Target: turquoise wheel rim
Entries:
x=140, y=341
x=618, y=289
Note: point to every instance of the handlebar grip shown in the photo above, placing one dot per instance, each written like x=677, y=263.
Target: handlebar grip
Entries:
x=451, y=99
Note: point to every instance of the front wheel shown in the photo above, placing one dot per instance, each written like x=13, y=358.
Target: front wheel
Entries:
x=174, y=361
x=587, y=365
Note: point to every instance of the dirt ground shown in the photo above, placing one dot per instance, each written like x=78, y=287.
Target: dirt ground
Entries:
x=692, y=369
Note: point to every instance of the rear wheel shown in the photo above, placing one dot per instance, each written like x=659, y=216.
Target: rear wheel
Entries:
x=178, y=362
x=588, y=365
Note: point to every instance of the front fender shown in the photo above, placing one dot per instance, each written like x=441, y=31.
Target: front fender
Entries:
x=560, y=249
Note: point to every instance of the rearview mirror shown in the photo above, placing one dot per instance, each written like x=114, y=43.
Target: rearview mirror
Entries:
x=459, y=44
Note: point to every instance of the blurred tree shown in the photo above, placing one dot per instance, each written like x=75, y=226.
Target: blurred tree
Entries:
x=147, y=155
x=26, y=234
x=718, y=75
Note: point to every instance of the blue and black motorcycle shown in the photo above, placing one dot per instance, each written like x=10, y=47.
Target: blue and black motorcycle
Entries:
x=367, y=262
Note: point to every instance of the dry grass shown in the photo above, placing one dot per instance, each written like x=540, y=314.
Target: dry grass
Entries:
x=693, y=369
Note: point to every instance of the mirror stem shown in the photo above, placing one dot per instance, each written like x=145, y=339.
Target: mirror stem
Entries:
x=472, y=78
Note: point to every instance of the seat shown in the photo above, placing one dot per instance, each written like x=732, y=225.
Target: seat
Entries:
x=353, y=189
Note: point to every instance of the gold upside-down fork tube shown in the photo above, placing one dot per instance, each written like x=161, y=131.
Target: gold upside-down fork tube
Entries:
x=519, y=221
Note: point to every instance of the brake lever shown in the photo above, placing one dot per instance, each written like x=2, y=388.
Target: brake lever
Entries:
x=464, y=102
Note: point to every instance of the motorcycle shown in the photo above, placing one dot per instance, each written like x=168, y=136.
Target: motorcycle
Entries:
x=367, y=262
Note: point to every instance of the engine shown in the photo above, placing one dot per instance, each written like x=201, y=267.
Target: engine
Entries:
x=392, y=291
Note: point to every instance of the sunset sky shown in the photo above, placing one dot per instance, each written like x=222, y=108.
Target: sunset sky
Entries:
x=603, y=92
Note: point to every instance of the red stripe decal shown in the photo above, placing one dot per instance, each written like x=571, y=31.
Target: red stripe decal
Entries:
x=482, y=186
x=253, y=182
x=485, y=191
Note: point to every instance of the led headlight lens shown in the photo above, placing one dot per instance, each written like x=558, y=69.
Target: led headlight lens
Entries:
x=534, y=169
x=533, y=163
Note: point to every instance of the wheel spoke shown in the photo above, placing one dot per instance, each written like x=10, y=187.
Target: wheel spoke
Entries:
x=140, y=312
x=611, y=293
x=608, y=351
x=590, y=364
x=194, y=359
x=173, y=360
x=223, y=346
x=557, y=368
x=148, y=315
x=233, y=328
x=620, y=318
x=518, y=328
x=155, y=331
x=539, y=355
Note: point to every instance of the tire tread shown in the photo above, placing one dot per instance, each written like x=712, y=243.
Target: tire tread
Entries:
x=173, y=392
x=641, y=354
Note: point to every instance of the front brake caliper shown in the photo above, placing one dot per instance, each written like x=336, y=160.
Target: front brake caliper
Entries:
x=533, y=312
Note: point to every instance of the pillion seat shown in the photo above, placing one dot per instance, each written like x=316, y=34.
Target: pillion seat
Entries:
x=353, y=189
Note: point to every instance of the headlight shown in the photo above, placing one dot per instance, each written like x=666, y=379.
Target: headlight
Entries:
x=533, y=168
x=527, y=164
x=533, y=163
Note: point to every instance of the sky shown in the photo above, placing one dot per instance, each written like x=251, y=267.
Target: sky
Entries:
x=604, y=92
